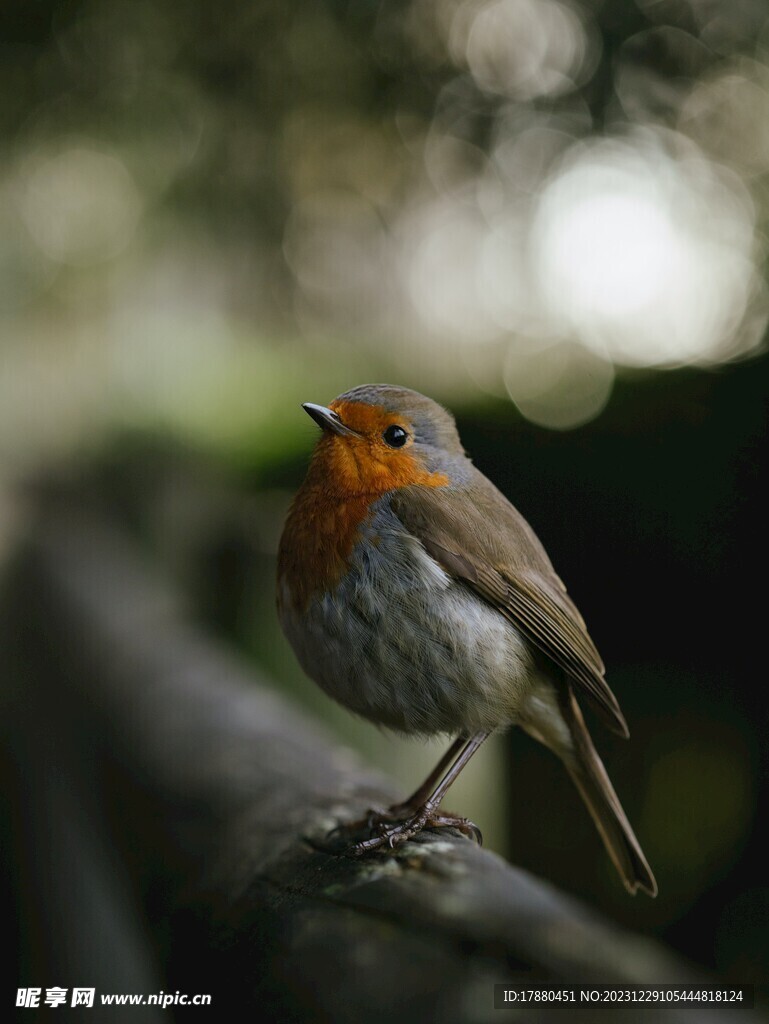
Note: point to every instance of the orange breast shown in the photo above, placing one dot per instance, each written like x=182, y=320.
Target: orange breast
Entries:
x=346, y=476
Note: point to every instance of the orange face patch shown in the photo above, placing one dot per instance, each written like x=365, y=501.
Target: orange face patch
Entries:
x=346, y=476
x=370, y=420
x=368, y=465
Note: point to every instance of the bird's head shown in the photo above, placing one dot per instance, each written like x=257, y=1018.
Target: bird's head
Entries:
x=378, y=437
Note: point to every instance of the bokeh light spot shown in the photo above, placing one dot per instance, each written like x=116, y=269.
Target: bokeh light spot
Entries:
x=79, y=204
x=560, y=385
x=698, y=805
x=646, y=257
x=523, y=48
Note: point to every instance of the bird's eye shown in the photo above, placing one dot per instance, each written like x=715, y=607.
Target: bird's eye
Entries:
x=395, y=436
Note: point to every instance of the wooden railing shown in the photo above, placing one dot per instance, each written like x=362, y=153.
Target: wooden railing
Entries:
x=165, y=806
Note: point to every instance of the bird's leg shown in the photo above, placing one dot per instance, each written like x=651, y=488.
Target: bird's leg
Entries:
x=406, y=808
x=424, y=804
x=381, y=818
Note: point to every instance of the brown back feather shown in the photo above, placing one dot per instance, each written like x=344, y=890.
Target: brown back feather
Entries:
x=478, y=537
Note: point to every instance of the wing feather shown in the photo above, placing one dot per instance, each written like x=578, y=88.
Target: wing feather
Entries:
x=479, y=538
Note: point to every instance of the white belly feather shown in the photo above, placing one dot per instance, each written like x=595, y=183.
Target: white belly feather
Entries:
x=400, y=642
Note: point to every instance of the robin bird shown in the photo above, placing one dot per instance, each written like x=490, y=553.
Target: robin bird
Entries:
x=417, y=596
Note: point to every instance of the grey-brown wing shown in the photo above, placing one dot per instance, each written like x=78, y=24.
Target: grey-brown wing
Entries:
x=487, y=544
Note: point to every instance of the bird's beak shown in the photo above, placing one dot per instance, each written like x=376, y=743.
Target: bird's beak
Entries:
x=327, y=419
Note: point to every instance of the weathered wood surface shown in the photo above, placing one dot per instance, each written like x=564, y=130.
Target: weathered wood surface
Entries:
x=201, y=793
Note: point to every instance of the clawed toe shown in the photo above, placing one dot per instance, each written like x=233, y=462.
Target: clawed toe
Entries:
x=388, y=834
x=385, y=832
x=389, y=828
x=463, y=825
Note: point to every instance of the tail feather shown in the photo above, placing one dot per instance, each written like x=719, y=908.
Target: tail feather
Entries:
x=589, y=775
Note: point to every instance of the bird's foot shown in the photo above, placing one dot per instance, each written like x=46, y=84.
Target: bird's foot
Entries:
x=344, y=836
x=388, y=831
x=374, y=818
x=396, y=813
x=364, y=824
